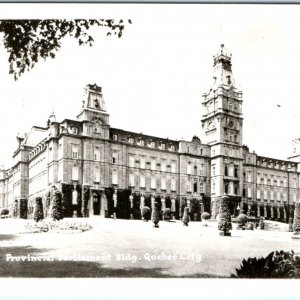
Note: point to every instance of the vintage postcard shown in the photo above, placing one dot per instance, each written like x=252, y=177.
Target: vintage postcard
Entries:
x=149, y=141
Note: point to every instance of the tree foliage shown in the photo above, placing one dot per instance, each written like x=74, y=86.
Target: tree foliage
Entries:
x=296, y=225
x=225, y=218
x=28, y=41
x=38, y=213
x=278, y=264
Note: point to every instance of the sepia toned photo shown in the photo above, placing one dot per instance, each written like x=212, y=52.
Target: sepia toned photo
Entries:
x=149, y=141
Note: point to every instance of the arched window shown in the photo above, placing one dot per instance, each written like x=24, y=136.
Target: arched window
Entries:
x=226, y=188
x=244, y=192
x=195, y=186
x=226, y=170
x=195, y=170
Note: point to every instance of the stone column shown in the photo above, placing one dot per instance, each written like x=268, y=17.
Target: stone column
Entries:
x=272, y=212
x=74, y=202
x=152, y=202
x=173, y=207
x=142, y=202
x=163, y=207
x=265, y=211
x=90, y=204
x=188, y=204
x=103, y=204
x=258, y=211
x=284, y=214
x=115, y=199
x=278, y=212
x=131, y=206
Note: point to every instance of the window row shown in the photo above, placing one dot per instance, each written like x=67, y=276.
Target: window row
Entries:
x=271, y=195
x=150, y=143
x=153, y=163
x=193, y=169
x=153, y=182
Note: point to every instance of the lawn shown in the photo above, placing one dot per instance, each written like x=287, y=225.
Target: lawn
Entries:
x=133, y=248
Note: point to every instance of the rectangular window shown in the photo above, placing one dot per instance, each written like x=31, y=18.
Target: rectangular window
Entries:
x=75, y=173
x=278, y=196
x=142, y=181
x=153, y=164
x=75, y=151
x=272, y=195
x=249, y=192
x=213, y=170
x=97, y=153
x=97, y=174
x=163, y=146
x=188, y=186
x=131, y=179
x=59, y=172
x=163, y=184
x=152, y=144
x=131, y=140
x=173, y=184
x=115, y=137
x=114, y=177
x=153, y=182
x=142, y=143
x=201, y=188
x=163, y=165
x=60, y=150
x=131, y=161
x=249, y=175
x=265, y=194
x=173, y=167
x=114, y=158
x=258, y=194
x=189, y=169
x=142, y=162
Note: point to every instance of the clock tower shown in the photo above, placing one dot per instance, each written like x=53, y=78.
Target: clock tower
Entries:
x=222, y=123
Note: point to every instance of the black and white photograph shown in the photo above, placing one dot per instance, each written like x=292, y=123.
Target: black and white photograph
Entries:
x=150, y=141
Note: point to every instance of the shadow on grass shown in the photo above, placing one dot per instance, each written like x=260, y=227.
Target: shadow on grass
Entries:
x=7, y=237
x=71, y=269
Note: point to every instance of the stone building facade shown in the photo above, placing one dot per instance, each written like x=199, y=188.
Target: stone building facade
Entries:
x=103, y=171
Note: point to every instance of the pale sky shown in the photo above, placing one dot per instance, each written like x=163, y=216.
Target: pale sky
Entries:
x=154, y=76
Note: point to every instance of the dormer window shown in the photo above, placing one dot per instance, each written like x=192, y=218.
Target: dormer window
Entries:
x=115, y=137
x=142, y=143
x=152, y=144
x=96, y=103
x=172, y=148
x=163, y=146
x=131, y=140
x=74, y=130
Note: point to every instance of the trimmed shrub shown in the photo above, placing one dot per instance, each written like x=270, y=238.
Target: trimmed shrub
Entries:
x=167, y=214
x=4, y=212
x=278, y=264
x=23, y=208
x=224, y=224
x=56, y=207
x=205, y=216
x=155, y=214
x=146, y=213
x=242, y=219
x=296, y=225
x=261, y=223
x=38, y=213
x=290, y=224
x=84, y=204
x=186, y=218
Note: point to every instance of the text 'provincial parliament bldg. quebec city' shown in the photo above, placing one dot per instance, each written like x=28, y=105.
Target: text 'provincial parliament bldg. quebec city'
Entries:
x=116, y=171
